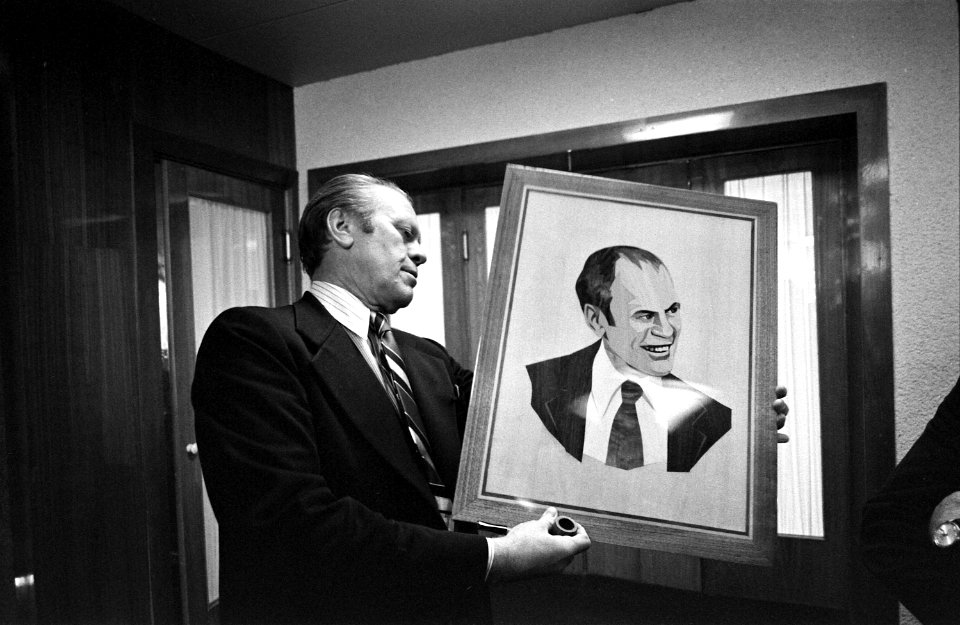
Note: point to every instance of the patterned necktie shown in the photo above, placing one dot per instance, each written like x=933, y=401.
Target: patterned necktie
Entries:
x=625, y=450
x=397, y=384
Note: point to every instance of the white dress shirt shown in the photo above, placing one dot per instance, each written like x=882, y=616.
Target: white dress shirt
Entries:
x=605, y=400
x=352, y=314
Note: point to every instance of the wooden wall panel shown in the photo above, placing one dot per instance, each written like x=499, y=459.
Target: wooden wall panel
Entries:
x=8, y=479
x=87, y=471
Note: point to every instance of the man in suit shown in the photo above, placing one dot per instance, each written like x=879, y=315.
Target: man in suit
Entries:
x=910, y=536
x=330, y=444
x=617, y=400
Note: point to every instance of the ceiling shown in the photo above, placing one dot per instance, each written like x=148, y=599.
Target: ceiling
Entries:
x=299, y=42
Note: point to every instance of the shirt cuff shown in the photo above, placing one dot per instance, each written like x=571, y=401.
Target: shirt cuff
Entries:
x=490, y=550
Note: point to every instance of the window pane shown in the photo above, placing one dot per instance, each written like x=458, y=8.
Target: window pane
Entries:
x=799, y=475
x=424, y=316
x=229, y=260
x=492, y=215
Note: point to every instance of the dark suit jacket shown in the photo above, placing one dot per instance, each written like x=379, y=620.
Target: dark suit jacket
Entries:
x=324, y=515
x=561, y=389
x=894, y=537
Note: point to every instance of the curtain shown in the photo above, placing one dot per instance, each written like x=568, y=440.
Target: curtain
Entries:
x=799, y=474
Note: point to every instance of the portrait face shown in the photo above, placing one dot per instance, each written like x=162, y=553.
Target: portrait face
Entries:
x=386, y=252
x=645, y=315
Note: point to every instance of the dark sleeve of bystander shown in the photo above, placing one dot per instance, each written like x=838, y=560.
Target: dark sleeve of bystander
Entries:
x=895, y=540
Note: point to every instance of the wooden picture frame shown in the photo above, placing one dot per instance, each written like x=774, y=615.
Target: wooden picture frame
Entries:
x=526, y=444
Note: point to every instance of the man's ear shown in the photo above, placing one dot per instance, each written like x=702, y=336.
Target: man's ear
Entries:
x=595, y=320
x=341, y=227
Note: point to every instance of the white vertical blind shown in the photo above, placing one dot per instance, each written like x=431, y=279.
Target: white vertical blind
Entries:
x=230, y=266
x=424, y=316
x=799, y=475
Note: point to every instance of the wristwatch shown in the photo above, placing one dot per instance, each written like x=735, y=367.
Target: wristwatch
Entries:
x=947, y=534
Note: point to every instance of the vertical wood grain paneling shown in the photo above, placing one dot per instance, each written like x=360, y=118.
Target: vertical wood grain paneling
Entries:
x=8, y=476
x=87, y=465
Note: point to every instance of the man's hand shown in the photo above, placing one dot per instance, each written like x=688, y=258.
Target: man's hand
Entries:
x=529, y=550
x=780, y=409
x=947, y=510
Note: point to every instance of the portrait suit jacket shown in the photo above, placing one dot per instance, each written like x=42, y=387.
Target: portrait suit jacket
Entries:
x=324, y=515
x=894, y=539
x=561, y=390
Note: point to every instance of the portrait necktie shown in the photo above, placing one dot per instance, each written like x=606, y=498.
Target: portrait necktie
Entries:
x=397, y=384
x=625, y=449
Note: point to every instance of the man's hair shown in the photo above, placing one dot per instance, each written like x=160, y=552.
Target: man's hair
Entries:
x=599, y=271
x=349, y=193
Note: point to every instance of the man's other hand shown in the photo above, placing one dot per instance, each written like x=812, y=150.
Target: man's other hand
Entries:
x=530, y=550
x=780, y=409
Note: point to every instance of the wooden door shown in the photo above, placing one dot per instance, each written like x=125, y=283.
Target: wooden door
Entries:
x=222, y=243
x=812, y=563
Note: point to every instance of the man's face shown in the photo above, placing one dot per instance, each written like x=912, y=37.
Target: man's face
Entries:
x=646, y=315
x=386, y=258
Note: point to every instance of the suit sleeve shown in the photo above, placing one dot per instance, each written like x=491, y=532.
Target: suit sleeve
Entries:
x=261, y=463
x=895, y=542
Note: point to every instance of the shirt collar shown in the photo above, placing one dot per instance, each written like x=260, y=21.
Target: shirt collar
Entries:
x=607, y=380
x=343, y=305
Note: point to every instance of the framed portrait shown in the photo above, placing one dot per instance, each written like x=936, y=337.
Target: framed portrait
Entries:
x=627, y=366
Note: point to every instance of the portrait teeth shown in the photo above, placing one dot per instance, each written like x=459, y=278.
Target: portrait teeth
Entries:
x=657, y=349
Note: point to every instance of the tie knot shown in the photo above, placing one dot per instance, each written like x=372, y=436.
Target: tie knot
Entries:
x=379, y=323
x=630, y=391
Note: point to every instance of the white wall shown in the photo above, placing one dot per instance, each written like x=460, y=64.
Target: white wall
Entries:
x=692, y=56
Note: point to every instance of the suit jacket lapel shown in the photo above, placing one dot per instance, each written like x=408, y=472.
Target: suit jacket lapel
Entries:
x=569, y=407
x=685, y=441
x=428, y=378
x=347, y=378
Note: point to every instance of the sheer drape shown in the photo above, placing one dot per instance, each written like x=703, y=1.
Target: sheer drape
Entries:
x=799, y=475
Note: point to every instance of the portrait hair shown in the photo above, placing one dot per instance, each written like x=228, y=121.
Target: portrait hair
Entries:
x=351, y=194
x=599, y=272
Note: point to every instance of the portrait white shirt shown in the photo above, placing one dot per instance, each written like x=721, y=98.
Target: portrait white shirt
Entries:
x=605, y=400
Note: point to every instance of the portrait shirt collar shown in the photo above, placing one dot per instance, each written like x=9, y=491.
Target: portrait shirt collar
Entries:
x=343, y=305
x=607, y=380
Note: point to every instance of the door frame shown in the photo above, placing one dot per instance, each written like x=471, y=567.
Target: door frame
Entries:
x=175, y=503
x=866, y=248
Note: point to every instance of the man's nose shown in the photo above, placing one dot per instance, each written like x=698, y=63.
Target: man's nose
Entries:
x=416, y=254
x=662, y=327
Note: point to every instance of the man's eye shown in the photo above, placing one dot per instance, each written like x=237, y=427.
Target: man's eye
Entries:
x=674, y=309
x=643, y=316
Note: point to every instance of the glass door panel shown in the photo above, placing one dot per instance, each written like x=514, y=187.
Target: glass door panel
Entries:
x=491, y=216
x=230, y=266
x=799, y=470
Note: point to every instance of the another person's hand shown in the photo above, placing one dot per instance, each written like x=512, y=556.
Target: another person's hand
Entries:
x=530, y=550
x=780, y=409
